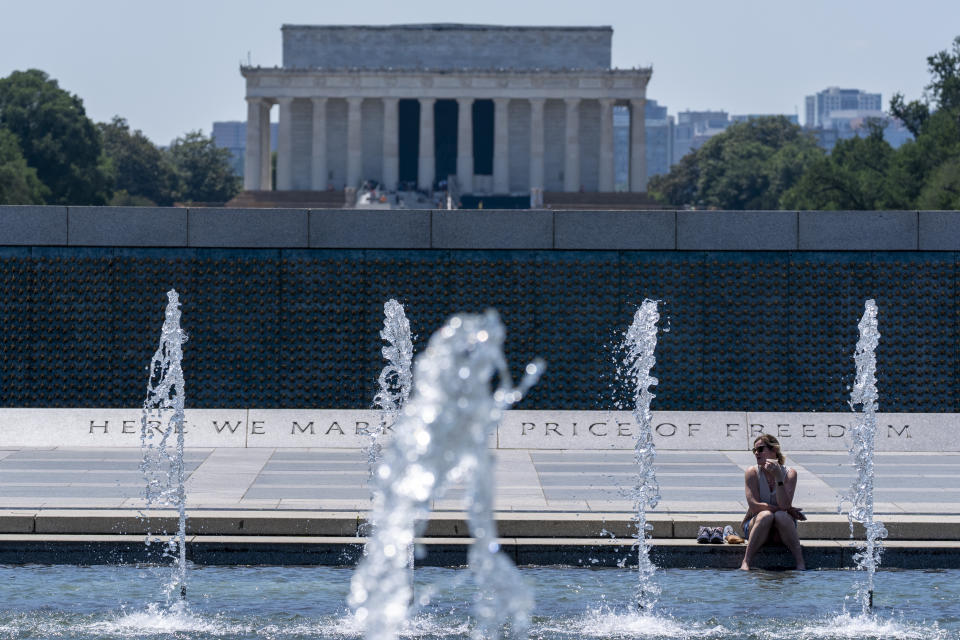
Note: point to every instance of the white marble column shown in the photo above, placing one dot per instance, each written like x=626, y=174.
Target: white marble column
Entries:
x=285, y=145
x=251, y=161
x=536, y=143
x=391, y=143
x=266, y=150
x=638, y=145
x=501, y=146
x=426, y=162
x=571, y=167
x=354, y=143
x=465, y=144
x=318, y=157
x=605, y=176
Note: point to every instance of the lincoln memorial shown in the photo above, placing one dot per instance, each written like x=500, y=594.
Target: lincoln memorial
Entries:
x=507, y=110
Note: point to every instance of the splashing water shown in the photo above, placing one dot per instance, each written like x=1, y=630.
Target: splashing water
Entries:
x=161, y=420
x=640, y=343
x=440, y=439
x=863, y=400
x=395, y=379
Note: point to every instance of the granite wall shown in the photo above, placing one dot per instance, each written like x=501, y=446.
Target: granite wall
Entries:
x=283, y=306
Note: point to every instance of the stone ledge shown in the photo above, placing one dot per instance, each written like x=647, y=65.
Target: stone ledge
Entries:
x=127, y=226
x=736, y=230
x=369, y=229
x=939, y=231
x=492, y=229
x=33, y=225
x=22, y=225
x=599, y=527
x=858, y=230
x=338, y=550
x=247, y=228
x=616, y=230
x=17, y=521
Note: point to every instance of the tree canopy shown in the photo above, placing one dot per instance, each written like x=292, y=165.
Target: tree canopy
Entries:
x=748, y=166
x=202, y=169
x=942, y=94
x=52, y=153
x=18, y=181
x=769, y=163
x=856, y=175
x=56, y=137
x=142, y=173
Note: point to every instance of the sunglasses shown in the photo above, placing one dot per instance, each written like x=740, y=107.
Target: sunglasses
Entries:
x=760, y=448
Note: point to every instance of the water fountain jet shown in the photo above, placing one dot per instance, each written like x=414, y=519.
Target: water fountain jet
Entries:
x=640, y=343
x=163, y=414
x=395, y=382
x=864, y=401
x=396, y=377
x=440, y=439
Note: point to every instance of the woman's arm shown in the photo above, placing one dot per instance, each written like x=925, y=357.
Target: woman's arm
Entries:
x=786, y=483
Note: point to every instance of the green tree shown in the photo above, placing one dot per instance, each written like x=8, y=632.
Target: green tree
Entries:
x=203, y=169
x=924, y=166
x=942, y=94
x=56, y=137
x=18, y=182
x=748, y=166
x=942, y=190
x=917, y=160
x=858, y=174
x=678, y=187
x=142, y=172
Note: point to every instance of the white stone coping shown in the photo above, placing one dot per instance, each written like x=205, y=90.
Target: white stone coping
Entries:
x=545, y=430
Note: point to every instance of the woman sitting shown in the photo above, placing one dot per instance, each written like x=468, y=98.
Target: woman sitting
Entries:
x=770, y=512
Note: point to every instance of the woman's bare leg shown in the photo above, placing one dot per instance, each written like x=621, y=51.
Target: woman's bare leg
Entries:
x=759, y=532
x=787, y=528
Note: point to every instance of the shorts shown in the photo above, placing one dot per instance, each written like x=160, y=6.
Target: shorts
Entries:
x=746, y=527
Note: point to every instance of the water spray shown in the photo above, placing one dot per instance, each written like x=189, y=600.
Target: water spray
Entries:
x=640, y=343
x=441, y=438
x=163, y=470
x=864, y=402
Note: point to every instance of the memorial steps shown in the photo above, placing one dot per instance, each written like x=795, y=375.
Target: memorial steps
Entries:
x=288, y=200
x=609, y=201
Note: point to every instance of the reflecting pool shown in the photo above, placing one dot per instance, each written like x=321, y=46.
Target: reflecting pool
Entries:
x=310, y=602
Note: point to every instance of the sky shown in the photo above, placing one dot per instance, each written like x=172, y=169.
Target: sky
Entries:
x=172, y=66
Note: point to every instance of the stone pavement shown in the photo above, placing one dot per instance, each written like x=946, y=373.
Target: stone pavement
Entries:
x=308, y=506
x=533, y=486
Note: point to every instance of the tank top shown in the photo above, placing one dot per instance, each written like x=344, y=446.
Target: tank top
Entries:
x=770, y=497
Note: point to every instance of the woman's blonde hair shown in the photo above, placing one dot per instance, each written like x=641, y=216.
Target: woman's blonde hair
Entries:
x=771, y=442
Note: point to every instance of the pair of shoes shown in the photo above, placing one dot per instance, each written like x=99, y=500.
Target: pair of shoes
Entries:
x=709, y=535
x=730, y=536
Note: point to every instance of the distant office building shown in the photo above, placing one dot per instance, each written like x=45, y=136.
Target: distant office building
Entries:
x=233, y=137
x=659, y=129
x=696, y=127
x=843, y=125
x=820, y=106
x=836, y=114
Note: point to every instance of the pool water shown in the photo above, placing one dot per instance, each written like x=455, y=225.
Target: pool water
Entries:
x=309, y=602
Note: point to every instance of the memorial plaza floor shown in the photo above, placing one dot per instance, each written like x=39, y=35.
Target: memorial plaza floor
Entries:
x=544, y=499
